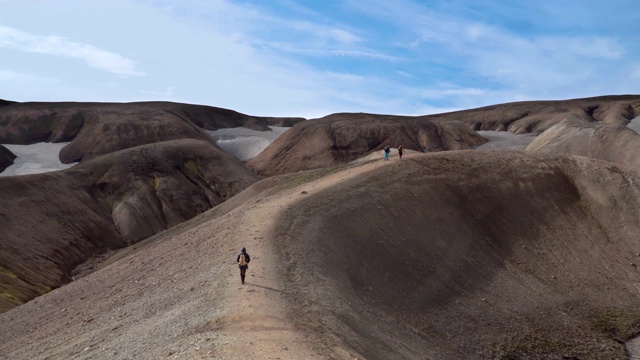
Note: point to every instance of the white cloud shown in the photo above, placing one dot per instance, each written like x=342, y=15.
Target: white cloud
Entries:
x=16, y=76
x=58, y=46
x=283, y=58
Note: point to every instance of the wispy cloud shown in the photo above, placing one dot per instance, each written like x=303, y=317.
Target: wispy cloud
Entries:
x=543, y=63
x=323, y=52
x=17, y=76
x=310, y=33
x=287, y=57
x=58, y=46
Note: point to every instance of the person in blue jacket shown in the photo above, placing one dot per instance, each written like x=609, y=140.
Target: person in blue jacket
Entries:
x=243, y=262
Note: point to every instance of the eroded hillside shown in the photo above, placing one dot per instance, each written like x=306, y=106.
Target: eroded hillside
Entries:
x=469, y=255
x=53, y=222
x=497, y=254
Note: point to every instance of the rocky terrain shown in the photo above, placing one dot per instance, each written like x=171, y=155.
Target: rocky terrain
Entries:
x=451, y=254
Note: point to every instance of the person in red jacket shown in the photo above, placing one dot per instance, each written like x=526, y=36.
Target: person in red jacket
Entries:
x=243, y=262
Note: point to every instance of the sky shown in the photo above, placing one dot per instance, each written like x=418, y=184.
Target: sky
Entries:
x=317, y=57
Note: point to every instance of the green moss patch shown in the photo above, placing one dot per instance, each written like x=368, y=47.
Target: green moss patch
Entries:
x=619, y=324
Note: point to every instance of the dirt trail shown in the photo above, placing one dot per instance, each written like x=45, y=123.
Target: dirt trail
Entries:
x=258, y=324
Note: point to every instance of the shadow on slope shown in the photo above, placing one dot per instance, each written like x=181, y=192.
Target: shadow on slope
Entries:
x=469, y=255
x=6, y=158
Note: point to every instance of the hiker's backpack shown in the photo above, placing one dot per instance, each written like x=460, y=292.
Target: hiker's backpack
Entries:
x=242, y=261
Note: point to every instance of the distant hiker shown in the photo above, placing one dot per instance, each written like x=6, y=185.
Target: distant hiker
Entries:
x=400, y=151
x=243, y=262
x=387, y=150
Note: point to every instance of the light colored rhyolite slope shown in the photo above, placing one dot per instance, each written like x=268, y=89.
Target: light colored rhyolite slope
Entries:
x=463, y=254
x=617, y=144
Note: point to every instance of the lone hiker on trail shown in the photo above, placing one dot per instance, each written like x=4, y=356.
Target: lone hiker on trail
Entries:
x=243, y=262
x=400, y=151
x=387, y=150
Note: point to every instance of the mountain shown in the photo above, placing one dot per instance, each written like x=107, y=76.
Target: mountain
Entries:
x=100, y=128
x=616, y=144
x=455, y=253
x=144, y=167
x=461, y=254
x=344, y=137
x=534, y=117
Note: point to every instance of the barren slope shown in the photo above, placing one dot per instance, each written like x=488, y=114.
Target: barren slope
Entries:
x=460, y=255
x=617, y=144
x=52, y=222
x=100, y=128
x=537, y=116
x=341, y=138
x=452, y=255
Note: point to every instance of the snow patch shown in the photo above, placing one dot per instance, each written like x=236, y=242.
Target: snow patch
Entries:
x=35, y=159
x=504, y=140
x=245, y=144
x=634, y=124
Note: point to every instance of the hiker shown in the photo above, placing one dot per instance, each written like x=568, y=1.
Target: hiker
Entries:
x=400, y=151
x=243, y=262
x=387, y=150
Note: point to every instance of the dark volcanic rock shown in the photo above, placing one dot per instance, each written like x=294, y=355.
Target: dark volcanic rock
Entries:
x=100, y=128
x=340, y=138
x=52, y=222
x=6, y=102
x=537, y=116
x=6, y=158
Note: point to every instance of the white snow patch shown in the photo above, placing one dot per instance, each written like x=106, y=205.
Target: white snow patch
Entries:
x=634, y=124
x=35, y=159
x=504, y=140
x=245, y=144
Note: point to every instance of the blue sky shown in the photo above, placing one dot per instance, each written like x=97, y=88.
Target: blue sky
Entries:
x=312, y=58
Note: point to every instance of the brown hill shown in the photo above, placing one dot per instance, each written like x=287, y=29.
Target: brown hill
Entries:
x=6, y=102
x=617, y=144
x=53, y=222
x=100, y=128
x=537, y=116
x=468, y=255
x=341, y=138
x=450, y=255
x=6, y=158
